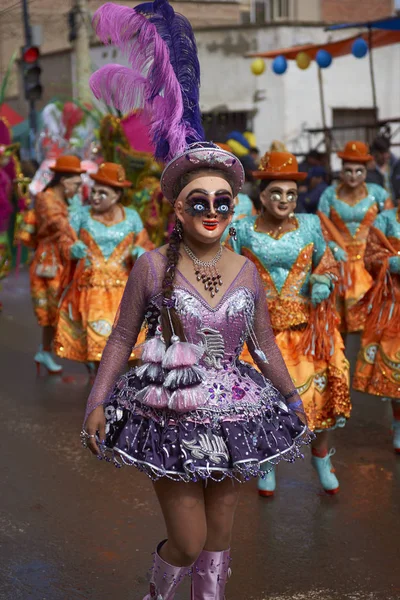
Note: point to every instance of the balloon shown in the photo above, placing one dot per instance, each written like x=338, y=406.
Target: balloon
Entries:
x=323, y=58
x=279, y=65
x=359, y=48
x=303, y=60
x=258, y=66
x=238, y=149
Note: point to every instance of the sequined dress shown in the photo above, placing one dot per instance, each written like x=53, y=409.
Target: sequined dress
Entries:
x=351, y=222
x=288, y=266
x=378, y=364
x=243, y=419
x=88, y=307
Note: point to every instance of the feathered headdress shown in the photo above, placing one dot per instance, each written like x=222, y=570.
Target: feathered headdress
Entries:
x=163, y=79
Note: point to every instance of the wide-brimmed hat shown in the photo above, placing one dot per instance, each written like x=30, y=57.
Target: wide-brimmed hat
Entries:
x=202, y=155
x=354, y=151
x=68, y=164
x=111, y=174
x=279, y=165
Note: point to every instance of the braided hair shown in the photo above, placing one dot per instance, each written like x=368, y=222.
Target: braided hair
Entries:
x=170, y=321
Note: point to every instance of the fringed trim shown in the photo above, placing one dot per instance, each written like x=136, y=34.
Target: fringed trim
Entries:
x=241, y=471
x=319, y=335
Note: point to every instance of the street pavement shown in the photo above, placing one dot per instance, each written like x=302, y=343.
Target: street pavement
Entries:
x=74, y=528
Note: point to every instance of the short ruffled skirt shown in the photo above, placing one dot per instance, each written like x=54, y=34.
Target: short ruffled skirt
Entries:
x=244, y=425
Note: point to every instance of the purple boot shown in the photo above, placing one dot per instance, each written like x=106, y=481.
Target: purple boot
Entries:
x=165, y=578
x=210, y=574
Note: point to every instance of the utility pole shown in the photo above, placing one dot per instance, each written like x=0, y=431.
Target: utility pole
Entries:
x=82, y=51
x=32, y=110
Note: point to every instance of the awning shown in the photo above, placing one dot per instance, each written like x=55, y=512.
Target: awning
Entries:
x=11, y=116
x=389, y=24
x=338, y=48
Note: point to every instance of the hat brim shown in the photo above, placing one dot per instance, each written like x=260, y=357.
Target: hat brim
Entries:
x=195, y=159
x=296, y=176
x=351, y=158
x=110, y=182
x=67, y=171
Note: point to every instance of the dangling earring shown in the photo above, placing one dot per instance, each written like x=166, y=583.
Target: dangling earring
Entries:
x=178, y=229
x=291, y=215
x=232, y=233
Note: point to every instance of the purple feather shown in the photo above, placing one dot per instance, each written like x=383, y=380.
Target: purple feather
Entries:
x=149, y=85
x=178, y=35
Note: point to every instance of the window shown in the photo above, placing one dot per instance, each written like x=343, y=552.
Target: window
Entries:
x=266, y=11
x=218, y=125
x=354, y=124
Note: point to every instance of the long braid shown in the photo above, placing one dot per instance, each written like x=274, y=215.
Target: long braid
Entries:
x=169, y=314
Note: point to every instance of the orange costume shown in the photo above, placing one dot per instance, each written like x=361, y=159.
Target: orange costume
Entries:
x=311, y=345
x=346, y=225
x=378, y=364
x=50, y=269
x=89, y=306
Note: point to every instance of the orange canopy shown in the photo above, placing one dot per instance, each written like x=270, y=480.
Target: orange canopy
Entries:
x=339, y=48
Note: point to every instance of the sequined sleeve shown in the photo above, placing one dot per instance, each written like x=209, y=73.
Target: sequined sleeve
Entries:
x=264, y=340
x=128, y=322
x=52, y=222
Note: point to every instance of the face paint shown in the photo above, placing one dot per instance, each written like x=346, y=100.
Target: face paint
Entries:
x=205, y=208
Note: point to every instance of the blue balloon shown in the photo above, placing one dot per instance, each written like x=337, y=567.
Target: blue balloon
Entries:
x=359, y=48
x=324, y=59
x=279, y=65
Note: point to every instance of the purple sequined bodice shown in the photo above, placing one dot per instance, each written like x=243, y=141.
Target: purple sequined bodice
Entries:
x=222, y=330
x=241, y=315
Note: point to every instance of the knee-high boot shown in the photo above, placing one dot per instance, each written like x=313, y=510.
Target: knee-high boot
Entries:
x=165, y=578
x=210, y=574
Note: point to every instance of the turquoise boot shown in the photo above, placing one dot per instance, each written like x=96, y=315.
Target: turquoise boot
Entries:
x=326, y=472
x=267, y=484
x=42, y=357
x=396, y=436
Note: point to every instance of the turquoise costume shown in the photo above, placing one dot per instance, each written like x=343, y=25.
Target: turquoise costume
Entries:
x=290, y=266
x=347, y=232
x=107, y=254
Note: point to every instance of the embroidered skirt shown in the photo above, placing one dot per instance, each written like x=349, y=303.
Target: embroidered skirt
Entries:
x=244, y=424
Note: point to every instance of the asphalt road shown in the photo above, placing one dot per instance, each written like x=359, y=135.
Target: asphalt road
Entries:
x=73, y=528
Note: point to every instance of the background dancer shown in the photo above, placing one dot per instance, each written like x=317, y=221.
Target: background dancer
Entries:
x=299, y=276
x=50, y=269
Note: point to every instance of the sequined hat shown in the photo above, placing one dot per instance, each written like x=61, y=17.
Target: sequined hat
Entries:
x=201, y=155
x=111, y=174
x=279, y=165
x=68, y=164
x=354, y=151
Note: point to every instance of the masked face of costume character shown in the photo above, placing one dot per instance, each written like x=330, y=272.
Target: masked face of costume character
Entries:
x=103, y=198
x=205, y=207
x=279, y=198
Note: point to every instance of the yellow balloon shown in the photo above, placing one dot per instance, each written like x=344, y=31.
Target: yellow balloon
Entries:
x=237, y=149
x=251, y=138
x=303, y=60
x=258, y=66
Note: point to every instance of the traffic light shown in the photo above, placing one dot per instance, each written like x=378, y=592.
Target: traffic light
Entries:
x=31, y=73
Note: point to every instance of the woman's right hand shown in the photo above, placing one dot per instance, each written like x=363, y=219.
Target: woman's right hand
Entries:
x=96, y=422
x=78, y=250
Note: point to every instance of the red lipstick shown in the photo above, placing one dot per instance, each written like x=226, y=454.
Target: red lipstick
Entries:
x=210, y=225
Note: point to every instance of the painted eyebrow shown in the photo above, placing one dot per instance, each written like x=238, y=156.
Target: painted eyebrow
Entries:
x=280, y=190
x=207, y=193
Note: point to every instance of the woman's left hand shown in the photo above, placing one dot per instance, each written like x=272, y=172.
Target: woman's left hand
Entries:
x=319, y=293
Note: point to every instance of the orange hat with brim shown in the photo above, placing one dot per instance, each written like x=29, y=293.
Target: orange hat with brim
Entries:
x=223, y=146
x=111, y=174
x=68, y=164
x=354, y=151
x=279, y=165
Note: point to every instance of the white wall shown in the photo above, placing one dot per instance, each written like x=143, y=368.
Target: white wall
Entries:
x=291, y=100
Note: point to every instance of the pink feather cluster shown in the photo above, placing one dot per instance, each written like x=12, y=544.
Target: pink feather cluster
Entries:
x=149, y=84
